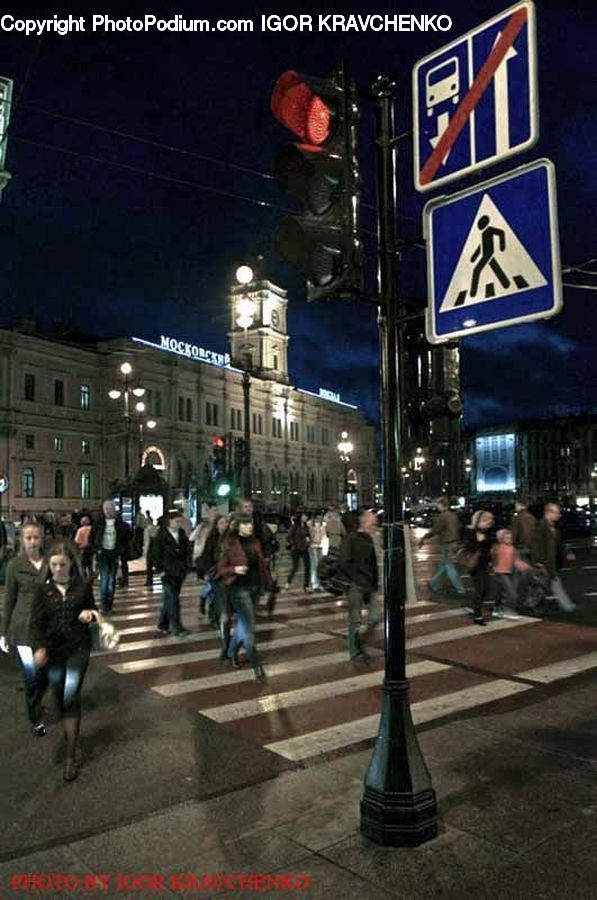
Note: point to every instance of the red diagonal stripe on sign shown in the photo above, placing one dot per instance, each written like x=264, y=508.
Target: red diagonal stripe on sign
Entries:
x=516, y=23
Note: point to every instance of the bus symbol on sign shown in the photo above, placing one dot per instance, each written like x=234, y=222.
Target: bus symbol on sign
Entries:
x=442, y=83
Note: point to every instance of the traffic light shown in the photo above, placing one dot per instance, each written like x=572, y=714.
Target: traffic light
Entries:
x=220, y=456
x=446, y=404
x=322, y=174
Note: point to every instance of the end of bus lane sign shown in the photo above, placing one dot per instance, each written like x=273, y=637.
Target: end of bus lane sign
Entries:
x=475, y=101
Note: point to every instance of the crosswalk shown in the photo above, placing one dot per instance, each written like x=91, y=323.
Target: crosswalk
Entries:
x=314, y=701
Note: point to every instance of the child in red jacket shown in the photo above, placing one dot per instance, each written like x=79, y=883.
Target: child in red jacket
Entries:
x=506, y=562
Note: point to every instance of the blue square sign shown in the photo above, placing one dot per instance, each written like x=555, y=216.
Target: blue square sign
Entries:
x=475, y=100
x=493, y=255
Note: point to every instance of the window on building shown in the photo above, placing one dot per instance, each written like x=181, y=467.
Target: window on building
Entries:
x=294, y=431
x=157, y=403
x=181, y=407
x=189, y=410
x=59, y=483
x=310, y=434
x=58, y=392
x=29, y=442
x=257, y=423
x=236, y=420
x=325, y=437
x=85, y=485
x=276, y=427
x=85, y=396
x=58, y=444
x=275, y=362
x=211, y=413
x=29, y=386
x=149, y=400
x=28, y=483
x=85, y=446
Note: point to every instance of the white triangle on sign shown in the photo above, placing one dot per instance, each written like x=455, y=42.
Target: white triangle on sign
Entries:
x=493, y=263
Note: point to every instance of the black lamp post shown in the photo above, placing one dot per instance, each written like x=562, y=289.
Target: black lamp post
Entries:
x=398, y=806
x=144, y=423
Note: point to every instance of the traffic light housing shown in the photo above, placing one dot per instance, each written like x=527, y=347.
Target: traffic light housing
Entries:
x=322, y=174
x=240, y=456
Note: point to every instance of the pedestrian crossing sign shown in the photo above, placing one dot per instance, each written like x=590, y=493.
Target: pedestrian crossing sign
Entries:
x=493, y=254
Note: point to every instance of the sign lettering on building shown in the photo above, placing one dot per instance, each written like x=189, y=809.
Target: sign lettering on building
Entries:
x=186, y=348
x=329, y=395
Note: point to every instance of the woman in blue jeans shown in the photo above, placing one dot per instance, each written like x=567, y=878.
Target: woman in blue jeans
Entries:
x=243, y=570
x=61, y=614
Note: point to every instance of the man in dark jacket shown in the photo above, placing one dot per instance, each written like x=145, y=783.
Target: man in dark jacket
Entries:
x=550, y=552
x=358, y=563
x=524, y=528
x=110, y=539
x=172, y=557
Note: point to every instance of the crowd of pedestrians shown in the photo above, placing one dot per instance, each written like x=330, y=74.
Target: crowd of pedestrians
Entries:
x=512, y=568
x=49, y=607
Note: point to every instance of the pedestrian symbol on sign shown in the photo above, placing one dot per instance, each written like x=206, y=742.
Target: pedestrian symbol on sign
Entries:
x=493, y=262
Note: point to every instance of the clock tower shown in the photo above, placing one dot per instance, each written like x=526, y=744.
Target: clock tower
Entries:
x=262, y=346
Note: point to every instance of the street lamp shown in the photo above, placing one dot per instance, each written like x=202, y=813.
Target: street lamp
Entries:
x=468, y=468
x=418, y=463
x=246, y=310
x=143, y=423
x=345, y=448
x=126, y=371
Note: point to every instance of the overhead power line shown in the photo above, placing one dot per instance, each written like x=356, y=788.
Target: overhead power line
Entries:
x=150, y=174
x=143, y=140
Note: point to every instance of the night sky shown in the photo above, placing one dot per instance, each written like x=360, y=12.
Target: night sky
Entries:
x=137, y=225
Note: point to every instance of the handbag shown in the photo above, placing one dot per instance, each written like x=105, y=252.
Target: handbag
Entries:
x=103, y=634
x=468, y=559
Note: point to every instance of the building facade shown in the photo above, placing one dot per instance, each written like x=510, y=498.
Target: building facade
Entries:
x=543, y=458
x=64, y=443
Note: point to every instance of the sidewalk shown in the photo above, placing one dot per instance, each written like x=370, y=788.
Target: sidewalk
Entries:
x=516, y=785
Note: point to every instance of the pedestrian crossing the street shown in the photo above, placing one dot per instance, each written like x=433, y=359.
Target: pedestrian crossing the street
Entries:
x=314, y=701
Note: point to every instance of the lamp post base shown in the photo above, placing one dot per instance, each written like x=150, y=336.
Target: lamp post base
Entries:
x=398, y=807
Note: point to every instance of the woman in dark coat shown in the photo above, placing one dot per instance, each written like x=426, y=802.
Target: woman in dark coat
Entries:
x=298, y=541
x=24, y=574
x=60, y=618
x=243, y=570
x=479, y=540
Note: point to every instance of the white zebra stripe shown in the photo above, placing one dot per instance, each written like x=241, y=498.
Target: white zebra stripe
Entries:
x=162, y=662
x=273, y=702
x=341, y=736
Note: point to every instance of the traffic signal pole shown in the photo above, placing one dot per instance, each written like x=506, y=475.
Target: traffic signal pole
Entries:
x=398, y=806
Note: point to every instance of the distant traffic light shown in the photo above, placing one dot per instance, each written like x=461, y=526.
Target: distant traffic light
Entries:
x=220, y=456
x=240, y=455
x=322, y=174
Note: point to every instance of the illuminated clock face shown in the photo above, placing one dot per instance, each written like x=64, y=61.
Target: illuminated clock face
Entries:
x=275, y=318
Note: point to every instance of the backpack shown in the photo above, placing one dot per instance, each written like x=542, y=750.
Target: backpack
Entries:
x=330, y=574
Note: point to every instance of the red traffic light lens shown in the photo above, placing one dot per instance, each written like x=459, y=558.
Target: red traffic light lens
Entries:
x=297, y=107
x=217, y=442
x=318, y=121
